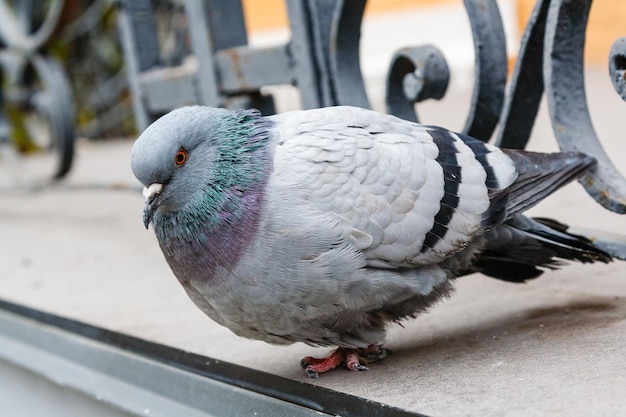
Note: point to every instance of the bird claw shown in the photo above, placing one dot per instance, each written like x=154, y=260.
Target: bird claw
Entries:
x=352, y=359
x=312, y=373
x=353, y=362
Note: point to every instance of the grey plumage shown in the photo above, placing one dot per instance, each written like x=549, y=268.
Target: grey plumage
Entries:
x=324, y=226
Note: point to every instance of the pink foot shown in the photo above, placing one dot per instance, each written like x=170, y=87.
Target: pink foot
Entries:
x=353, y=359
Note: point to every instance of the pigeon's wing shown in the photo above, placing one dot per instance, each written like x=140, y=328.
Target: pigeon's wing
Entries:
x=408, y=194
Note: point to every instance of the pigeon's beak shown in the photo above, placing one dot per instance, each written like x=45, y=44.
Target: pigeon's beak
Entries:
x=151, y=201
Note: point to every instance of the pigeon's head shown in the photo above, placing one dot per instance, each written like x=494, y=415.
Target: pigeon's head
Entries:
x=166, y=157
x=178, y=156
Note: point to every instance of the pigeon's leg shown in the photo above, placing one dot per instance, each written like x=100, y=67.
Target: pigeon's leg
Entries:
x=353, y=359
x=316, y=366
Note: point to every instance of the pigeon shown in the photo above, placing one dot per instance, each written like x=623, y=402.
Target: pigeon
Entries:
x=326, y=226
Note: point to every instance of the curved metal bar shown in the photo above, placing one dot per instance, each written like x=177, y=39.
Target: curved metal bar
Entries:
x=567, y=103
x=344, y=60
x=617, y=66
x=526, y=88
x=55, y=103
x=415, y=74
x=19, y=37
x=322, y=14
x=490, y=66
x=325, y=50
x=422, y=72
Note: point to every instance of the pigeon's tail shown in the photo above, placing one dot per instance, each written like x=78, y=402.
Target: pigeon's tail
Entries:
x=540, y=174
x=522, y=248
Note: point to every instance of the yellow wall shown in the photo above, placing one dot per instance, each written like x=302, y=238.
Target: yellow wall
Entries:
x=607, y=20
x=271, y=14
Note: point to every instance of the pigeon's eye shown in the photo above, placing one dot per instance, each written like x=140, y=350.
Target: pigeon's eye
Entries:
x=181, y=157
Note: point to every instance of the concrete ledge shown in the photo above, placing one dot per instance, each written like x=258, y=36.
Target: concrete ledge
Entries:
x=58, y=367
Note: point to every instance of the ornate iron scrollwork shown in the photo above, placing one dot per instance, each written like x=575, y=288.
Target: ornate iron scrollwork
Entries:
x=425, y=68
x=617, y=66
x=36, y=110
x=563, y=72
x=322, y=61
x=550, y=58
x=416, y=74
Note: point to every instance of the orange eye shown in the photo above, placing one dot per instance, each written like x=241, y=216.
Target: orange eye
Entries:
x=181, y=157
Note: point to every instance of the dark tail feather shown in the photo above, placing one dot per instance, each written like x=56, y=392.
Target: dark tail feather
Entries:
x=505, y=269
x=611, y=243
x=522, y=248
x=566, y=244
x=540, y=174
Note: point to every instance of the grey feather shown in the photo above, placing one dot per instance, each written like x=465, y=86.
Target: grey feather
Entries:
x=539, y=175
x=324, y=226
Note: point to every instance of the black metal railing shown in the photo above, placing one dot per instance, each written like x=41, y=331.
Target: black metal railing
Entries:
x=36, y=111
x=322, y=60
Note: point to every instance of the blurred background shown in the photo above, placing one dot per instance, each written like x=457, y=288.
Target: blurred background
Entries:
x=82, y=38
x=85, y=39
